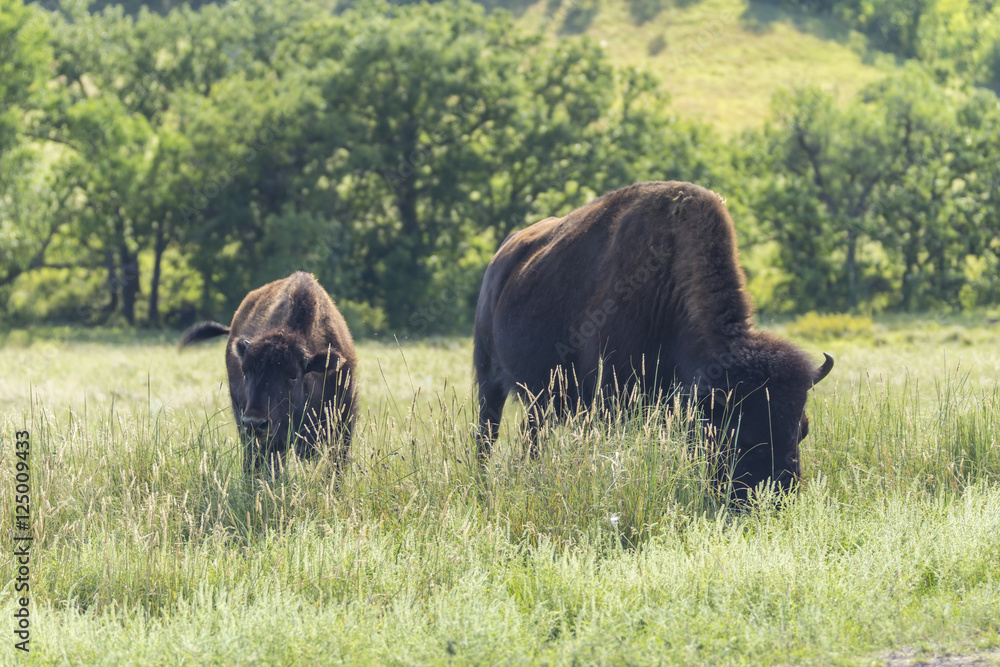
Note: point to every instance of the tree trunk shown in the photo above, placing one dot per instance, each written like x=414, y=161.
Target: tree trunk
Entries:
x=130, y=282
x=128, y=278
x=907, y=286
x=941, y=261
x=206, y=293
x=405, y=287
x=159, y=246
x=911, y=258
x=851, y=267
x=112, y=305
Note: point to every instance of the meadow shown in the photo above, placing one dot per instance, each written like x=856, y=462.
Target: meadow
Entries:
x=722, y=61
x=151, y=547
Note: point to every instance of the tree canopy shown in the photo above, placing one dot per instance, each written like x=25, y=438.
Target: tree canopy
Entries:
x=157, y=165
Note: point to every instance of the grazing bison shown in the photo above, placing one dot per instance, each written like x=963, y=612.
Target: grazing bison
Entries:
x=291, y=369
x=641, y=289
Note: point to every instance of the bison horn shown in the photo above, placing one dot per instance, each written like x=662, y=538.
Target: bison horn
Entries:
x=825, y=369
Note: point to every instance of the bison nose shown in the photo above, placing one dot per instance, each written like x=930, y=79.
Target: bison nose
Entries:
x=254, y=423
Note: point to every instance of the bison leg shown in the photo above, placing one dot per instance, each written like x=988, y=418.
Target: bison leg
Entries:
x=491, y=400
x=345, y=432
x=532, y=425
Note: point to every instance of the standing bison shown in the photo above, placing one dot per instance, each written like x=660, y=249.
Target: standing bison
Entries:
x=641, y=289
x=291, y=368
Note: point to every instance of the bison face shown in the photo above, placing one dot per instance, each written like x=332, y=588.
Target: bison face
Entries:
x=275, y=386
x=763, y=441
x=764, y=428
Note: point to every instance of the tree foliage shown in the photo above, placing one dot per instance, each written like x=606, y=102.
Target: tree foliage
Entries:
x=25, y=231
x=956, y=39
x=156, y=166
x=387, y=148
x=883, y=203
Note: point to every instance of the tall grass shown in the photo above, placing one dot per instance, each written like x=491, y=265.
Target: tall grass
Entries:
x=614, y=546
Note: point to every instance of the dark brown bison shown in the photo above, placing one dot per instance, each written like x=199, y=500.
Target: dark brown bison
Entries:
x=291, y=368
x=641, y=289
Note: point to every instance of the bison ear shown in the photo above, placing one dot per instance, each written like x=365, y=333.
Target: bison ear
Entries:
x=825, y=369
x=242, y=347
x=322, y=363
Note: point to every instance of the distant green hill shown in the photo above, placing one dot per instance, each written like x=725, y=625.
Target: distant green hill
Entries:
x=721, y=60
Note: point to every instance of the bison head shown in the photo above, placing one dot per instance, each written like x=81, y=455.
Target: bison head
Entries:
x=761, y=420
x=275, y=386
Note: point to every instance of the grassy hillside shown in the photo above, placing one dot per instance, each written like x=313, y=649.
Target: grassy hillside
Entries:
x=722, y=60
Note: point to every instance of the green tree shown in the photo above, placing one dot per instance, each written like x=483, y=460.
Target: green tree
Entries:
x=117, y=118
x=822, y=169
x=977, y=159
x=961, y=38
x=387, y=148
x=884, y=203
x=916, y=218
x=242, y=160
x=24, y=52
x=434, y=132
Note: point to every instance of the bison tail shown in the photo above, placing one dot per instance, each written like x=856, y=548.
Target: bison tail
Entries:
x=202, y=331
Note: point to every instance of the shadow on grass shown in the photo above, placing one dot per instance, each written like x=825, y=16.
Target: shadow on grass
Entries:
x=644, y=11
x=515, y=7
x=576, y=16
x=760, y=17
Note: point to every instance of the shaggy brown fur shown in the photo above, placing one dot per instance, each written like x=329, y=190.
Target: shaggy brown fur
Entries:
x=291, y=368
x=646, y=281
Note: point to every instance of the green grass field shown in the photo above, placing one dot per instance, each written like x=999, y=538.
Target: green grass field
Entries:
x=723, y=60
x=152, y=548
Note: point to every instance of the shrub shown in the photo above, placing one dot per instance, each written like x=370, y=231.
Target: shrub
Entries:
x=817, y=326
x=362, y=319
